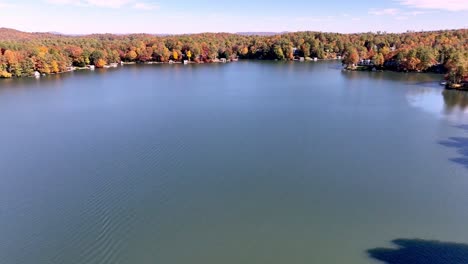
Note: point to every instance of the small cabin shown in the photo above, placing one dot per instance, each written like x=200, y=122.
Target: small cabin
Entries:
x=296, y=51
x=223, y=60
x=301, y=59
x=171, y=62
x=37, y=74
x=92, y=67
x=185, y=61
x=315, y=59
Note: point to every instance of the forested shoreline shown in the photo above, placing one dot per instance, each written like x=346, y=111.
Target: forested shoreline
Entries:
x=446, y=51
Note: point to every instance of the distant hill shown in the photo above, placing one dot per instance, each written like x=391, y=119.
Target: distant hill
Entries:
x=13, y=34
x=260, y=33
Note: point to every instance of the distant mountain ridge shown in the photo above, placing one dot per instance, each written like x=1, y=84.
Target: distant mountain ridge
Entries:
x=13, y=34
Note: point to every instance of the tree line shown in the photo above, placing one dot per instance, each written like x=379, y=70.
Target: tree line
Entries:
x=21, y=54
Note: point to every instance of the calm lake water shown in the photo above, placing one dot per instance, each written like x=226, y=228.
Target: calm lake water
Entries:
x=246, y=162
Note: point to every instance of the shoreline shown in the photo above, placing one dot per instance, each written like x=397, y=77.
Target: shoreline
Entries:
x=345, y=68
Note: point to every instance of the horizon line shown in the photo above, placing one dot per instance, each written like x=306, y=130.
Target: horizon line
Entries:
x=237, y=32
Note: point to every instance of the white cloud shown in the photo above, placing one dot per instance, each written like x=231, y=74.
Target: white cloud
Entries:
x=145, y=6
x=416, y=13
x=384, y=12
x=107, y=3
x=315, y=19
x=401, y=18
x=450, y=5
x=6, y=5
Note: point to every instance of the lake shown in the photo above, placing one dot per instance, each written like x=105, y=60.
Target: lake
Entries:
x=248, y=162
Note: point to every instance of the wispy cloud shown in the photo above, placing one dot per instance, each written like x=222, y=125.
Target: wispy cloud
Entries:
x=107, y=3
x=315, y=19
x=145, y=6
x=417, y=13
x=399, y=14
x=384, y=12
x=6, y=5
x=450, y=5
x=401, y=18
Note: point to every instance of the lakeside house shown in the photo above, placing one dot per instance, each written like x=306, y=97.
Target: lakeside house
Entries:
x=223, y=60
x=185, y=61
x=37, y=74
x=92, y=67
x=365, y=63
x=296, y=52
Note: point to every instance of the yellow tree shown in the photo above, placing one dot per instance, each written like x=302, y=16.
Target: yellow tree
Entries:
x=244, y=51
x=189, y=54
x=175, y=55
x=5, y=74
x=100, y=63
x=131, y=55
x=54, y=67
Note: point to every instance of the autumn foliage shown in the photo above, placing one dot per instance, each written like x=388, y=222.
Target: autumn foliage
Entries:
x=23, y=53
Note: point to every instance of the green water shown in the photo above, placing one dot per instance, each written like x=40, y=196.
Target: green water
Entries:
x=238, y=163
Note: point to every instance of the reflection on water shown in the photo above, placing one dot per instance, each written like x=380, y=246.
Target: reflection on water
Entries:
x=419, y=251
x=450, y=104
x=431, y=80
x=427, y=99
x=455, y=100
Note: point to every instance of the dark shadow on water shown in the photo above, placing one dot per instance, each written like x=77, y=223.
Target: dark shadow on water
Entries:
x=464, y=127
x=461, y=145
x=419, y=251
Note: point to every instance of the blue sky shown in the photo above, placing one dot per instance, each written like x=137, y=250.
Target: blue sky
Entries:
x=193, y=16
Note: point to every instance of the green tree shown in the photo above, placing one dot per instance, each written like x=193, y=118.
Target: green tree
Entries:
x=278, y=52
x=379, y=59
